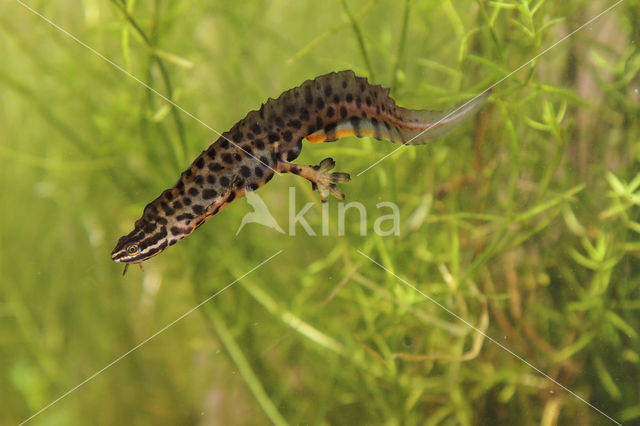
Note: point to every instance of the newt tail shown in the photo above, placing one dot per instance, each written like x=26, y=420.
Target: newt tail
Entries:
x=325, y=109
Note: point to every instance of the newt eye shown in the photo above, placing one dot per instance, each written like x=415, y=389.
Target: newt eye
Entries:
x=132, y=249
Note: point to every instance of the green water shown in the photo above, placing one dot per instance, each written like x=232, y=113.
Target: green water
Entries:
x=509, y=293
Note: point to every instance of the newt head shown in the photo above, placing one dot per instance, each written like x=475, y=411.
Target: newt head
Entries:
x=138, y=246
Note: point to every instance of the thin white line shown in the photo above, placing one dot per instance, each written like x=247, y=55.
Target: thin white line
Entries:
x=468, y=324
x=146, y=340
x=494, y=84
x=77, y=40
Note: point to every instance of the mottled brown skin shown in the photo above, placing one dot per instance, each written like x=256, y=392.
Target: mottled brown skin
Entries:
x=266, y=141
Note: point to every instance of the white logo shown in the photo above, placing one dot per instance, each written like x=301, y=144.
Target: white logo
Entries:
x=260, y=214
x=385, y=225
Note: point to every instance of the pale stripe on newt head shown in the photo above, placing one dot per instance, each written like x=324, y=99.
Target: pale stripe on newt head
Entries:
x=325, y=109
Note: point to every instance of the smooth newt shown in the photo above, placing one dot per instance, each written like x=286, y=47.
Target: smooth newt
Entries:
x=243, y=159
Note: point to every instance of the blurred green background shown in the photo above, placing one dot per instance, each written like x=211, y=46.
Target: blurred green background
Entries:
x=524, y=221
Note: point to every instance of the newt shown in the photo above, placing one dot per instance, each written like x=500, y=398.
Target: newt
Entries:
x=266, y=141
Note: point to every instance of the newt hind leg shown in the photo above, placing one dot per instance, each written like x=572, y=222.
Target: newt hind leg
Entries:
x=319, y=176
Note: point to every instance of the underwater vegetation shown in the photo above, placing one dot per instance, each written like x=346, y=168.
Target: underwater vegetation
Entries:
x=489, y=277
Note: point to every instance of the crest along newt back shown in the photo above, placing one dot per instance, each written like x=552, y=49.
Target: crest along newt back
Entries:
x=243, y=159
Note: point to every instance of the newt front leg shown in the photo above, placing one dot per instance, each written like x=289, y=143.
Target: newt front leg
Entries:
x=319, y=176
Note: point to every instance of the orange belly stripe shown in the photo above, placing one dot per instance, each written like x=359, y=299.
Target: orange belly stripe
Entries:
x=344, y=133
x=316, y=138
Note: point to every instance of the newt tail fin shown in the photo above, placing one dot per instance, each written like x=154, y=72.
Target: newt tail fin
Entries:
x=417, y=127
x=357, y=108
